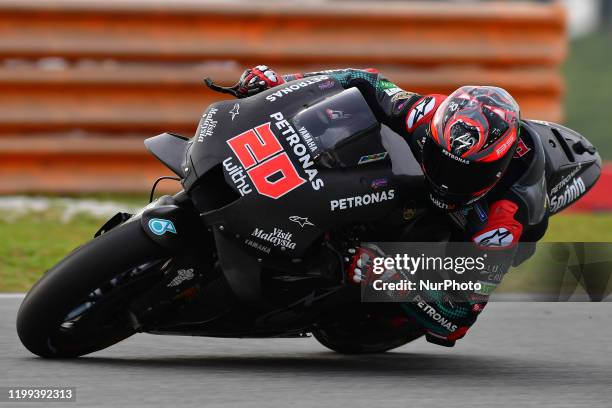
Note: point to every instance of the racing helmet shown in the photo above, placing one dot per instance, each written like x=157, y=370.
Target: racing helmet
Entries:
x=470, y=143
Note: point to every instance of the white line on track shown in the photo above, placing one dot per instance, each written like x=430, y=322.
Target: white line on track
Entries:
x=11, y=295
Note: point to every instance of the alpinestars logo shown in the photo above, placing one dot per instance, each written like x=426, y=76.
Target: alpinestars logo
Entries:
x=235, y=111
x=497, y=238
x=301, y=221
x=419, y=111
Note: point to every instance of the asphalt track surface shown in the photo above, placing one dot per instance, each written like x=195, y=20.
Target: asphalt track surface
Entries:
x=519, y=354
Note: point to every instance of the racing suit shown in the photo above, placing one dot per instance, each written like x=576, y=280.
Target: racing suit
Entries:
x=495, y=223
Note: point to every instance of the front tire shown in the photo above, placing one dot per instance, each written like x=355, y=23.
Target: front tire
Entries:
x=41, y=320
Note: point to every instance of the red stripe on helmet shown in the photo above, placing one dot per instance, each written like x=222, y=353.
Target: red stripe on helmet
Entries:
x=503, y=148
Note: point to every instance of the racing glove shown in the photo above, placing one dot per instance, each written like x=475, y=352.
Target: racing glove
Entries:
x=360, y=263
x=361, y=270
x=257, y=79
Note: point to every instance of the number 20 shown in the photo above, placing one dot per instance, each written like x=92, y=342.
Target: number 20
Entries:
x=262, y=156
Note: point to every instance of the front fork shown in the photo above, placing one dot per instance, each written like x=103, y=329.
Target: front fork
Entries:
x=174, y=225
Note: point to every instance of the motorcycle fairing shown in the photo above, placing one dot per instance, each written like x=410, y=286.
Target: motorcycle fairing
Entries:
x=252, y=230
x=171, y=150
x=288, y=227
x=241, y=270
x=403, y=162
x=572, y=167
x=178, y=227
x=531, y=186
x=226, y=119
x=333, y=191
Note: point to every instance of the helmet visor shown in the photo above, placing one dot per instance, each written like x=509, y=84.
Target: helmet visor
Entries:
x=451, y=175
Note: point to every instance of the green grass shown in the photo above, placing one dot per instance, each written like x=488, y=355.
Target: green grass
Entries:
x=35, y=243
x=580, y=228
x=588, y=73
x=132, y=200
x=31, y=243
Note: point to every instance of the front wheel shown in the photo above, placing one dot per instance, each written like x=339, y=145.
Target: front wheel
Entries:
x=79, y=305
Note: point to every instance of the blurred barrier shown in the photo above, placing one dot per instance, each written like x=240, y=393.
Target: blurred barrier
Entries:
x=599, y=198
x=84, y=82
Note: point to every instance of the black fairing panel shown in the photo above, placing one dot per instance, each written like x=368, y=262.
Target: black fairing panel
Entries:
x=226, y=119
x=289, y=226
x=242, y=271
x=171, y=150
x=184, y=227
x=531, y=186
x=573, y=165
x=327, y=138
x=341, y=184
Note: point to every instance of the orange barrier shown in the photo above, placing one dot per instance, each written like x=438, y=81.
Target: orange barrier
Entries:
x=599, y=198
x=83, y=80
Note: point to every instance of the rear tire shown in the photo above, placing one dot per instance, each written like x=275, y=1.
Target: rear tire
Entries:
x=68, y=284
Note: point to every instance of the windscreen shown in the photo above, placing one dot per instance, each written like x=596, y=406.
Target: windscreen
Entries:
x=334, y=121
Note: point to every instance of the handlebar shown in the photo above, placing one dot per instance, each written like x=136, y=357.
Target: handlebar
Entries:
x=232, y=90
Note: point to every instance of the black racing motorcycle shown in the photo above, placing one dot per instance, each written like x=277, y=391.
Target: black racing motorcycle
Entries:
x=275, y=188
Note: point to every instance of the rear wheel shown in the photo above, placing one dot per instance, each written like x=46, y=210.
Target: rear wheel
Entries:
x=79, y=306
